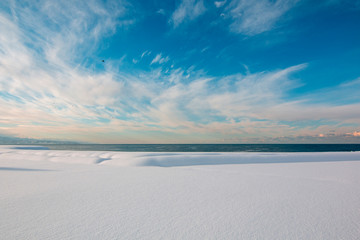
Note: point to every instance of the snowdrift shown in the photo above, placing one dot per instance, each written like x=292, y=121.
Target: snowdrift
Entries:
x=38, y=153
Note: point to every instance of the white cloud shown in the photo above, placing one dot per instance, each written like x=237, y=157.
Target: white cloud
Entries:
x=188, y=10
x=159, y=59
x=145, y=53
x=44, y=83
x=156, y=59
x=219, y=4
x=257, y=16
x=161, y=11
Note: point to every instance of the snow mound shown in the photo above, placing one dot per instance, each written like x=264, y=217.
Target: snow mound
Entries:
x=163, y=159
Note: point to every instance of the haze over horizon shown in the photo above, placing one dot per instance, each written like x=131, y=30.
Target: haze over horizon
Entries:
x=187, y=71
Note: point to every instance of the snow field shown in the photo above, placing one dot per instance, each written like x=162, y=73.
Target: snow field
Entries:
x=114, y=195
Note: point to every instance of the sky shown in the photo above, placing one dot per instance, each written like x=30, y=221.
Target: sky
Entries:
x=184, y=71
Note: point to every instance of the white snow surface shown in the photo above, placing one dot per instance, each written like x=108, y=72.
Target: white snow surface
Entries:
x=46, y=194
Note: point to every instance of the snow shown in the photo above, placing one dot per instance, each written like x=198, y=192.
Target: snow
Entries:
x=48, y=194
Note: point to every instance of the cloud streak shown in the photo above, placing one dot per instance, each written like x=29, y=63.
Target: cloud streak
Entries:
x=257, y=16
x=159, y=59
x=188, y=10
x=244, y=17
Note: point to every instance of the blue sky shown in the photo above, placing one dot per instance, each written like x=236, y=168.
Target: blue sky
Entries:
x=186, y=71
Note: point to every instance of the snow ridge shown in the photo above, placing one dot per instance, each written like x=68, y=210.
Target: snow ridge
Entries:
x=163, y=159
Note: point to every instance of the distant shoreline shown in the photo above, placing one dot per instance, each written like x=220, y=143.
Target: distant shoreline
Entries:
x=301, y=147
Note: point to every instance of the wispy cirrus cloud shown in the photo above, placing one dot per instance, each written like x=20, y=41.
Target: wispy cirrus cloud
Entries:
x=245, y=17
x=40, y=65
x=257, y=16
x=59, y=30
x=188, y=10
x=145, y=53
x=160, y=59
x=220, y=3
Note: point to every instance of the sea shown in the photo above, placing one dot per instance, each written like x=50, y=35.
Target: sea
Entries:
x=207, y=147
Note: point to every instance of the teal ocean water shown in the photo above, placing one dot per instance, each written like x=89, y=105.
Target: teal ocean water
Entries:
x=207, y=147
